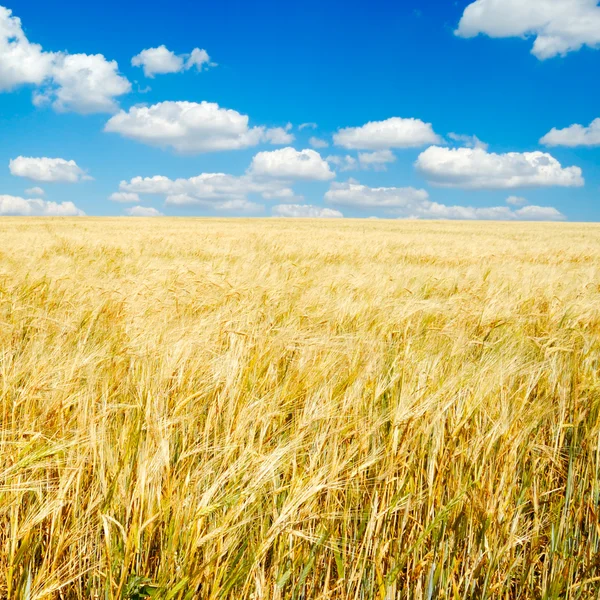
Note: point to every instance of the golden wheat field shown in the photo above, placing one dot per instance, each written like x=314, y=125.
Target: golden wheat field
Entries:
x=281, y=409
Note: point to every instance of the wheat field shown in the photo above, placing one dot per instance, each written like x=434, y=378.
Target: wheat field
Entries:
x=282, y=409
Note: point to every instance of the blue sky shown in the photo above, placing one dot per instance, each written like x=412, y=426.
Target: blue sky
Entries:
x=398, y=91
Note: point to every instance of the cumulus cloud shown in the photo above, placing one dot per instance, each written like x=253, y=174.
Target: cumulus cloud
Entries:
x=376, y=160
x=288, y=163
x=17, y=206
x=494, y=213
x=575, y=135
x=355, y=195
x=21, y=62
x=279, y=193
x=142, y=211
x=307, y=126
x=435, y=210
x=200, y=59
x=190, y=127
x=158, y=184
x=469, y=141
x=69, y=82
x=316, y=142
x=559, y=26
x=415, y=204
x=237, y=205
x=216, y=190
x=305, y=211
x=158, y=61
x=343, y=163
x=279, y=136
x=49, y=170
x=35, y=191
x=124, y=197
x=186, y=126
x=84, y=83
x=474, y=168
x=539, y=213
x=516, y=201
x=395, y=132
x=161, y=60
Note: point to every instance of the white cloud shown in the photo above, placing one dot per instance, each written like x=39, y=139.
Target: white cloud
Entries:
x=207, y=189
x=279, y=193
x=142, y=211
x=289, y=163
x=186, y=126
x=189, y=127
x=161, y=60
x=539, y=213
x=304, y=211
x=494, y=213
x=316, y=142
x=279, y=136
x=474, y=168
x=238, y=205
x=516, y=201
x=84, y=83
x=199, y=58
x=183, y=200
x=395, y=132
x=21, y=62
x=158, y=184
x=17, y=206
x=124, y=197
x=355, y=195
x=415, y=204
x=559, y=26
x=376, y=160
x=158, y=61
x=343, y=163
x=575, y=135
x=469, y=141
x=35, y=191
x=307, y=126
x=434, y=210
x=70, y=82
x=47, y=169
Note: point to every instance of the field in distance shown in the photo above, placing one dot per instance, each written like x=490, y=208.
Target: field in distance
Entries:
x=281, y=409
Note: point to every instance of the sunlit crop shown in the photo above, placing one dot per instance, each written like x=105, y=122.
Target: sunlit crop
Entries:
x=281, y=409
